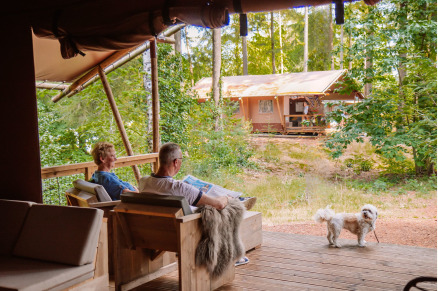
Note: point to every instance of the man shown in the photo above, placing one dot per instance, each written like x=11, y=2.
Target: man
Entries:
x=104, y=156
x=162, y=182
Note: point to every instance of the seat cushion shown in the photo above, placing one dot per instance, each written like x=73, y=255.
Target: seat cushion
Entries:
x=61, y=234
x=93, y=188
x=29, y=275
x=13, y=213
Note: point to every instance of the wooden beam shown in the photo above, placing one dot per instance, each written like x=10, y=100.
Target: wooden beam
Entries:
x=279, y=113
x=155, y=101
x=118, y=119
x=243, y=108
x=51, y=86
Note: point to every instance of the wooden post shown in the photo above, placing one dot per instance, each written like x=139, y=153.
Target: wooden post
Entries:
x=118, y=119
x=20, y=151
x=243, y=108
x=155, y=101
x=279, y=113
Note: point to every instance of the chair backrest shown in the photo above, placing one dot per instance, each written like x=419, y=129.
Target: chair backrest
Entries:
x=157, y=200
x=93, y=188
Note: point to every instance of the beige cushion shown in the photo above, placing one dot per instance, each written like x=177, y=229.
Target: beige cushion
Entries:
x=30, y=275
x=93, y=188
x=62, y=234
x=13, y=214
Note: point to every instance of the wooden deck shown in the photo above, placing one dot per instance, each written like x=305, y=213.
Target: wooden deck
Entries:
x=301, y=262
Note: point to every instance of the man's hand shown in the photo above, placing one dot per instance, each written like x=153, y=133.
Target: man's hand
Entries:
x=217, y=202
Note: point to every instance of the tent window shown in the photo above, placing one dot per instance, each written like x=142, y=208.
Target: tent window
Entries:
x=299, y=106
x=266, y=106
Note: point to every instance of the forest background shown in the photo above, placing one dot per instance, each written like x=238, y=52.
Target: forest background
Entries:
x=389, y=49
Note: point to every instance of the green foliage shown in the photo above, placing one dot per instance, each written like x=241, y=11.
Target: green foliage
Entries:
x=400, y=116
x=359, y=164
x=210, y=151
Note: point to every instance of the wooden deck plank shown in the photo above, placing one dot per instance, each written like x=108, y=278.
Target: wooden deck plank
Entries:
x=301, y=262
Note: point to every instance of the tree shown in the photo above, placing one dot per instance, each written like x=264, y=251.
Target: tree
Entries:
x=399, y=118
x=216, y=74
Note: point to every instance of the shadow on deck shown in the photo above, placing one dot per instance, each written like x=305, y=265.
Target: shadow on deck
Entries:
x=302, y=262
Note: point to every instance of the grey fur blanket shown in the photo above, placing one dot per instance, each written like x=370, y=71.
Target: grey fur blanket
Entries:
x=220, y=243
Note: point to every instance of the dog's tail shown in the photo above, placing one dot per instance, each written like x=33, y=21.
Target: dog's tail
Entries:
x=324, y=214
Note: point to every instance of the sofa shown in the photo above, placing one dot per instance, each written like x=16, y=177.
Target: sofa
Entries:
x=47, y=247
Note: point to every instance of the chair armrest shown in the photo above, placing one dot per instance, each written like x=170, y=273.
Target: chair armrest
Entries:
x=104, y=204
x=187, y=218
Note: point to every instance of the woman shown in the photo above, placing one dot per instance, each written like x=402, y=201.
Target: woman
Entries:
x=104, y=156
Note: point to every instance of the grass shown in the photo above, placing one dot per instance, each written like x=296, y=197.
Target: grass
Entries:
x=295, y=179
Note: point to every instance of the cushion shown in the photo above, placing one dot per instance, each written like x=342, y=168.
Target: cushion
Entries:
x=93, y=188
x=13, y=213
x=157, y=200
x=61, y=234
x=29, y=275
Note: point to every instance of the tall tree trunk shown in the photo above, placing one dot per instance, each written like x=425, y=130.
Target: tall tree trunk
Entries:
x=272, y=43
x=147, y=84
x=216, y=75
x=369, y=56
x=189, y=57
x=177, y=37
x=330, y=37
x=306, y=38
x=341, y=54
x=245, y=55
x=350, y=62
x=281, y=45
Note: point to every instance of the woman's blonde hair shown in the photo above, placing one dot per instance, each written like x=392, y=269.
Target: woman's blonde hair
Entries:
x=100, y=150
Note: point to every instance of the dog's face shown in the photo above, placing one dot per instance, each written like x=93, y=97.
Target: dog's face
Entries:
x=369, y=212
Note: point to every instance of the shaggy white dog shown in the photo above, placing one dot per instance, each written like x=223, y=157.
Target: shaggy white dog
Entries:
x=358, y=223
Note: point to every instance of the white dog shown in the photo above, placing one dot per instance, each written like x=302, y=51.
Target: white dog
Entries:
x=358, y=223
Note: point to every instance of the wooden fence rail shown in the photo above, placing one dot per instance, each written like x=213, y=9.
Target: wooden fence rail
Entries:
x=88, y=168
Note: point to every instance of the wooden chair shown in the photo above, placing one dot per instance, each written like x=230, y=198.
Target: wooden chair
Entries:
x=148, y=230
x=86, y=194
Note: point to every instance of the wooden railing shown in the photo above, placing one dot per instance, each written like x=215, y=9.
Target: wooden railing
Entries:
x=88, y=168
x=300, y=127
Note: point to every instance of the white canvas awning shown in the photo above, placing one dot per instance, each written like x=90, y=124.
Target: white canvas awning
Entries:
x=310, y=83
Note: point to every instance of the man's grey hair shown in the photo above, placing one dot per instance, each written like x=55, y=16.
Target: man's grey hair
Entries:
x=168, y=153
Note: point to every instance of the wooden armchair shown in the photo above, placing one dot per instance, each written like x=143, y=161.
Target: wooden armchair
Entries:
x=86, y=194
x=148, y=230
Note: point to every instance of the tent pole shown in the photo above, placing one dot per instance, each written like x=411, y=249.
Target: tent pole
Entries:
x=118, y=119
x=155, y=101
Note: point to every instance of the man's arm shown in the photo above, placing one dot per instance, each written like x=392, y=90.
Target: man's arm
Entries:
x=217, y=202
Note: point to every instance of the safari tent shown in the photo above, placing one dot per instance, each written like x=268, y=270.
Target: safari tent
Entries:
x=276, y=103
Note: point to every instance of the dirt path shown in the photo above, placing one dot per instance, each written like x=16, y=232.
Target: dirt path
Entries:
x=413, y=227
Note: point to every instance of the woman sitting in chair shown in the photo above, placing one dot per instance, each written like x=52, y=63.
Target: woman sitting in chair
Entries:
x=104, y=156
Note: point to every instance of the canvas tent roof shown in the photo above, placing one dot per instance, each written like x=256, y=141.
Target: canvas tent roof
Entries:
x=309, y=83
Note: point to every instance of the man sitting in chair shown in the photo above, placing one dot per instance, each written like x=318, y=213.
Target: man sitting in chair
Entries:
x=104, y=156
x=162, y=181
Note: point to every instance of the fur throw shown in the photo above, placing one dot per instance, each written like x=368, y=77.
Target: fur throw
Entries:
x=220, y=243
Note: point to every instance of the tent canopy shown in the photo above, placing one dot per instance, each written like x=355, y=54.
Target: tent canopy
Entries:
x=98, y=28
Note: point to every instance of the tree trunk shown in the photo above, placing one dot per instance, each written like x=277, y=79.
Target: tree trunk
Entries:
x=341, y=54
x=177, y=37
x=147, y=83
x=330, y=37
x=272, y=43
x=350, y=63
x=188, y=55
x=244, y=55
x=369, y=57
x=306, y=38
x=281, y=45
x=216, y=75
